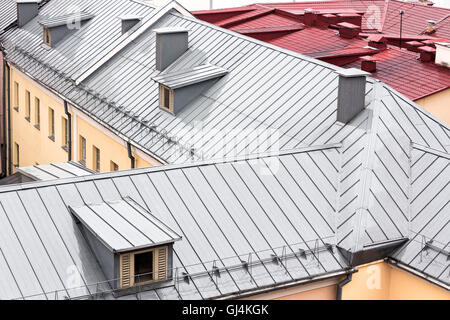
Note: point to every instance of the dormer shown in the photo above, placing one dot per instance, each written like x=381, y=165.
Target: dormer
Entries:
x=178, y=89
x=129, y=22
x=55, y=29
x=26, y=11
x=133, y=247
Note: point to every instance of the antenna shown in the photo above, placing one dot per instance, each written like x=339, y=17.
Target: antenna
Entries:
x=401, y=12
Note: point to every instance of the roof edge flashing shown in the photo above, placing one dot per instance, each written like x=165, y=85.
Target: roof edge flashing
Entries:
x=372, y=252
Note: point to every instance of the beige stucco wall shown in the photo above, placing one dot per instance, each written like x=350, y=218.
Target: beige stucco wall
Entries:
x=437, y=104
x=319, y=290
x=37, y=148
x=382, y=281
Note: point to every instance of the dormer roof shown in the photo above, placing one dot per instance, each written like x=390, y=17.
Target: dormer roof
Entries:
x=184, y=78
x=124, y=226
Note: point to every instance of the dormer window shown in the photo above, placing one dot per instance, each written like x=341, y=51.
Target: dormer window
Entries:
x=166, y=98
x=178, y=89
x=47, y=37
x=55, y=29
x=132, y=246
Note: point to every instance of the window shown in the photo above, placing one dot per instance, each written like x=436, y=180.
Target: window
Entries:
x=16, y=96
x=47, y=37
x=37, y=113
x=51, y=124
x=114, y=166
x=27, y=105
x=166, y=98
x=83, y=151
x=16, y=155
x=65, y=132
x=96, y=158
x=143, y=267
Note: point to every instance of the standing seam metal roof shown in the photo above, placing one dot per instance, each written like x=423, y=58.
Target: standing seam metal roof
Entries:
x=271, y=99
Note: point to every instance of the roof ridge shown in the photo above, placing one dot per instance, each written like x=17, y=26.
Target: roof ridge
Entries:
x=168, y=167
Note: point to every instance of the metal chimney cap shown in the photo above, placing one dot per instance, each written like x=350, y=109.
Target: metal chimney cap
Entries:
x=168, y=30
x=352, y=73
x=28, y=1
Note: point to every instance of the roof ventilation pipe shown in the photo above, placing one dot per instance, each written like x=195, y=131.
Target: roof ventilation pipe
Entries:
x=351, y=94
x=27, y=10
x=171, y=43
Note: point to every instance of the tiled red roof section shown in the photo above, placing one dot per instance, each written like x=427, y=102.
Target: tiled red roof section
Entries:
x=283, y=25
x=415, y=18
x=405, y=73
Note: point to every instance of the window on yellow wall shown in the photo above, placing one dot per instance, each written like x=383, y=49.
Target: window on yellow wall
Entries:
x=37, y=113
x=51, y=124
x=16, y=96
x=16, y=155
x=96, y=158
x=82, y=151
x=114, y=166
x=27, y=105
x=65, y=134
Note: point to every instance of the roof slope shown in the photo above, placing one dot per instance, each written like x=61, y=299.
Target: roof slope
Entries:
x=8, y=13
x=272, y=99
x=402, y=70
x=326, y=44
x=223, y=211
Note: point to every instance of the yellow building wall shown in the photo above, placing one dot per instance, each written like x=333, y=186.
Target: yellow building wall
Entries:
x=36, y=147
x=382, y=281
x=110, y=150
x=34, y=144
x=437, y=104
x=320, y=290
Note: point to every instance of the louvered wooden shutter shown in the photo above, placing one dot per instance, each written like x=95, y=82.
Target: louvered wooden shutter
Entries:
x=162, y=263
x=125, y=270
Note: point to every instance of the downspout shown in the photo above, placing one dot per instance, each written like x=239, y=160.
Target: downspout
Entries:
x=130, y=155
x=4, y=157
x=9, y=162
x=69, y=130
x=341, y=285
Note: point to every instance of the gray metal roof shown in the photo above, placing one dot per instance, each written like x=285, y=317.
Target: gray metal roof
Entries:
x=66, y=19
x=271, y=99
x=179, y=79
x=8, y=13
x=226, y=213
x=124, y=225
x=55, y=171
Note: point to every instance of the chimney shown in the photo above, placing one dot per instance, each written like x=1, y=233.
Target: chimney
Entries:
x=427, y=53
x=431, y=27
x=351, y=94
x=171, y=43
x=348, y=30
x=27, y=10
x=129, y=21
x=368, y=64
x=414, y=45
x=309, y=17
x=443, y=54
x=377, y=41
x=324, y=20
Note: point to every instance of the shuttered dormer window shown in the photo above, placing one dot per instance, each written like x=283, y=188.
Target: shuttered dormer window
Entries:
x=47, y=36
x=166, y=98
x=143, y=267
x=141, y=254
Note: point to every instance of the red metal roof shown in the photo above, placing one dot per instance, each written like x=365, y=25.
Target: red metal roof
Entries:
x=283, y=24
x=404, y=72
